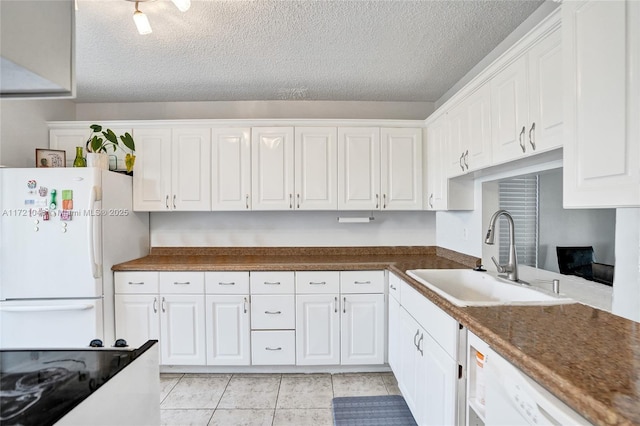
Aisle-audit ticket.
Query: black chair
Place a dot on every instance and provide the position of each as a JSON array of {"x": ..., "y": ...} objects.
[{"x": 576, "y": 261}]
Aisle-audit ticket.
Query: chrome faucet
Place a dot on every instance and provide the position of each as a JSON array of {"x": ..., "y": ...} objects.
[{"x": 511, "y": 268}]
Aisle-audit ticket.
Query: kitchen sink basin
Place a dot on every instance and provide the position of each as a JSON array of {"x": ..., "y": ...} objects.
[{"x": 466, "y": 287}]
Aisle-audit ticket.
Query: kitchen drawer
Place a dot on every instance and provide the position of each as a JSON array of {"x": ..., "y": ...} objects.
[
  {"x": 273, "y": 347},
  {"x": 140, "y": 282},
  {"x": 226, "y": 282},
  {"x": 182, "y": 282},
  {"x": 435, "y": 321},
  {"x": 263, "y": 282},
  {"x": 317, "y": 282},
  {"x": 394, "y": 286},
  {"x": 273, "y": 312},
  {"x": 362, "y": 282}
]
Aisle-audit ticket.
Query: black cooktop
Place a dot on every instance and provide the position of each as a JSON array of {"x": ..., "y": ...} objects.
[{"x": 38, "y": 387}]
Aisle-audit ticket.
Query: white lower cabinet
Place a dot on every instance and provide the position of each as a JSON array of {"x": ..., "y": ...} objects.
[
  {"x": 317, "y": 329},
  {"x": 182, "y": 329},
  {"x": 256, "y": 318},
  {"x": 228, "y": 329},
  {"x": 427, "y": 373},
  {"x": 362, "y": 326},
  {"x": 137, "y": 318}
]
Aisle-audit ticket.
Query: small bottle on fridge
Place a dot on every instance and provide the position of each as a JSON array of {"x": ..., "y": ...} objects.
[{"x": 79, "y": 160}]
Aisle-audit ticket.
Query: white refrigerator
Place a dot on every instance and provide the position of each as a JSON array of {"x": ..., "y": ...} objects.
[{"x": 62, "y": 229}]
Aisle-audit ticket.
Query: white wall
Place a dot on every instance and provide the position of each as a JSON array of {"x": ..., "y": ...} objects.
[
  {"x": 23, "y": 128},
  {"x": 291, "y": 229},
  {"x": 254, "y": 109},
  {"x": 571, "y": 227}
]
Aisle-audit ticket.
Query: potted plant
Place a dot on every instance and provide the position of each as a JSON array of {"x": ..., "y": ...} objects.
[{"x": 101, "y": 140}]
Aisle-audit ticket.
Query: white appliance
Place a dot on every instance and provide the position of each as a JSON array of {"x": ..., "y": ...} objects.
[
  {"x": 513, "y": 398},
  {"x": 62, "y": 229}
]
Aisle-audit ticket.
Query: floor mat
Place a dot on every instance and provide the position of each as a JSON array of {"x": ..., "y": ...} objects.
[{"x": 385, "y": 410}]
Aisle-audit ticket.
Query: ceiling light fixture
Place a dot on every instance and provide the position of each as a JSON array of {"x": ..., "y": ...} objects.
[{"x": 141, "y": 20}]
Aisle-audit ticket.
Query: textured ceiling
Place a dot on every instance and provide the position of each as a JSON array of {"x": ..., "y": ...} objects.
[{"x": 270, "y": 50}]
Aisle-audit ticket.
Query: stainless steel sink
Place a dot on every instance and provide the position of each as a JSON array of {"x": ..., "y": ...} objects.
[{"x": 465, "y": 287}]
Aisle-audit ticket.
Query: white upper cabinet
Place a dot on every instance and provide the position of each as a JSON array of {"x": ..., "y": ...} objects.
[
  {"x": 316, "y": 170},
  {"x": 190, "y": 169},
  {"x": 509, "y": 111},
  {"x": 68, "y": 138},
  {"x": 526, "y": 102},
  {"x": 545, "y": 94},
  {"x": 601, "y": 53},
  {"x": 359, "y": 168},
  {"x": 379, "y": 168},
  {"x": 401, "y": 168},
  {"x": 172, "y": 170},
  {"x": 272, "y": 161},
  {"x": 231, "y": 168},
  {"x": 469, "y": 125},
  {"x": 152, "y": 170}
]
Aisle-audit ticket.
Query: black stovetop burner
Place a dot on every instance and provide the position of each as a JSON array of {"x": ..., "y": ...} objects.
[{"x": 38, "y": 387}]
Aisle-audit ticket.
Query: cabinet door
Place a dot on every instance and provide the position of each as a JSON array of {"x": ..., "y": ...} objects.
[
  {"x": 231, "y": 169},
  {"x": 152, "y": 177},
  {"x": 602, "y": 94},
  {"x": 458, "y": 128},
  {"x": 359, "y": 168},
  {"x": 401, "y": 169},
  {"x": 509, "y": 114},
  {"x": 394, "y": 333},
  {"x": 272, "y": 168},
  {"x": 67, "y": 140},
  {"x": 316, "y": 171},
  {"x": 228, "y": 330},
  {"x": 437, "y": 376},
  {"x": 362, "y": 329},
  {"x": 137, "y": 318},
  {"x": 182, "y": 324},
  {"x": 437, "y": 165},
  {"x": 407, "y": 376},
  {"x": 545, "y": 94},
  {"x": 191, "y": 168},
  {"x": 477, "y": 146},
  {"x": 317, "y": 329}
]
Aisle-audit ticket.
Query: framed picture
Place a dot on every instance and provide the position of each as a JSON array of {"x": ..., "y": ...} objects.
[{"x": 50, "y": 158}]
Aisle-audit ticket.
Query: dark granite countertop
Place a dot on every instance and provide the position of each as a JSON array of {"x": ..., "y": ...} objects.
[{"x": 588, "y": 358}]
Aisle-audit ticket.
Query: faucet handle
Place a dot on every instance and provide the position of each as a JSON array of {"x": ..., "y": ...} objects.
[{"x": 501, "y": 269}]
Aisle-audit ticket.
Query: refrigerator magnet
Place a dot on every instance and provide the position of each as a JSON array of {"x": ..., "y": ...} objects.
[
  {"x": 67, "y": 199},
  {"x": 53, "y": 204},
  {"x": 31, "y": 184},
  {"x": 43, "y": 190},
  {"x": 65, "y": 215}
]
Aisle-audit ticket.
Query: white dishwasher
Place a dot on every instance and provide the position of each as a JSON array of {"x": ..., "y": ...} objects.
[{"x": 513, "y": 398}]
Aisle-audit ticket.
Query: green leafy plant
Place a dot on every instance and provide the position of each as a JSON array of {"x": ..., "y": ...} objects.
[{"x": 100, "y": 140}]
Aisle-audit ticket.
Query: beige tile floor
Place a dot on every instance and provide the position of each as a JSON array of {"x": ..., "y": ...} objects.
[{"x": 263, "y": 399}]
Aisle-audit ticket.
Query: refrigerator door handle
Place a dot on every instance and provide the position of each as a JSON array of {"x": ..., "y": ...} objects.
[
  {"x": 95, "y": 269},
  {"x": 46, "y": 308}
]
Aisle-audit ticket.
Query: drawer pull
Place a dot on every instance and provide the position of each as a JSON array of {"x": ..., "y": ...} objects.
[
  {"x": 344, "y": 305},
  {"x": 155, "y": 305},
  {"x": 184, "y": 283},
  {"x": 362, "y": 282},
  {"x": 272, "y": 283},
  {"x": 132, "y": 283},
  {"x": 273, "y": 312},
  {"x": 335, "y": 305},
  {"x": 163, "y": 305},
  {"x": 319, "y": 283},
  {"x": 272, "y": 349},
  {"x": 245, "y": 305},
  {"x": 392, "y": 287},
  {"x": 231, "y": 283}
]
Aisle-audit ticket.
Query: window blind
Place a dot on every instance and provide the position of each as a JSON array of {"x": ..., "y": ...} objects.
[{"x": 519, "y": 196}]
